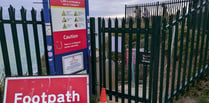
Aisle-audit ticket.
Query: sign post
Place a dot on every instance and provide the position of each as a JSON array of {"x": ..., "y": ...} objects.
[
  {"x": 49, "y": 37},
  {"x": 47, "y": 89}
]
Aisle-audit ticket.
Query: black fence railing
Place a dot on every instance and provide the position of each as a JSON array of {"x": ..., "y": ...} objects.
[
  {"x": 179, "y": 55},
  {"x": 164, "y": 8},
  {"x": 22, "y": 41}
]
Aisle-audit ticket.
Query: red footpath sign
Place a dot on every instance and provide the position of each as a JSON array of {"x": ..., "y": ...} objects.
[
  {"x": 47, "y": 89},
  {"x": 69, "y": 25}
]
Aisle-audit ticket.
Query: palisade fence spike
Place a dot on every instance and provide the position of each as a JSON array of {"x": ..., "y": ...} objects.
[
  {"x": 11, "y": 12},
  {"x": 23, "y": 13},
  {"x": 1, "y": 12}
]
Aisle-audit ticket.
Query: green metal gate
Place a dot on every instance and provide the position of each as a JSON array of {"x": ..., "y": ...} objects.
[{"x": 175, "y": 55}]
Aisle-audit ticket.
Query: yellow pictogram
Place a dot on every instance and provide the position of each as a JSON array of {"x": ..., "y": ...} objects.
[
  {"x": 76, "y": 19},
  {"x": 64, "y": 26},
  {"x": 64, "y": 20},
  {"x": 76, "y": 13},
  {"x": 63, "y": 13}
]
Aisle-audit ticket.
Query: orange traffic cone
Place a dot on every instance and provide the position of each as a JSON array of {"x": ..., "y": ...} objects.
[{"x": 103, "y": 97}]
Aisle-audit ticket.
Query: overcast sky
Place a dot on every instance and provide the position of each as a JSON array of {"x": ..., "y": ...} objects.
[{"x": 108, "y": 8}]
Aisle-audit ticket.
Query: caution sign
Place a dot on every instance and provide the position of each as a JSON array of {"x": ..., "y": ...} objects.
[{"x": 68, "y": 18}]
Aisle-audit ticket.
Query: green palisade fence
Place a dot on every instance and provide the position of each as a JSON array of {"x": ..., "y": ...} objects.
[
  {"x": 32, "y": 30},
  {"x": 158, "y": 8},
  {"x": 147, "y": 60},
  {"x": 128, "y": 33},
  {"x": 33, "y": 35},
  {"x": 171, "y": 54}
]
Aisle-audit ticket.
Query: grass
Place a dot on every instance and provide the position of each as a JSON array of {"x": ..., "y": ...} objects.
[
  {"x": 198, "y": 93},
  {"x": 202, "y": 99}
]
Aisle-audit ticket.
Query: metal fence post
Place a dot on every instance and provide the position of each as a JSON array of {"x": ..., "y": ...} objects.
[
  {"x": 15, "y": 39},
  {"x": 158, "y": 3},
  {"x": 155, "y": 51},
  {"x": 48, "y": 36},
  {"x": 3, "y": 45},
  {"x": 125, "y": 11},
  {"x": 36, "y": 40},
  {"x": 92, "y": 65},
  {"x": 45, "y": 43},
  {"x": 1, "y": 96}
]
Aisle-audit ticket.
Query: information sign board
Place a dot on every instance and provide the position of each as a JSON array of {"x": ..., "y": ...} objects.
[
  {"x": 47, "y": 89},
  {"x": 69, "y": 27}
]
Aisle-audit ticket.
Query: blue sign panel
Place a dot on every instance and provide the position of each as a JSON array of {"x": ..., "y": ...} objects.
[{"x": 69, "y": 39}]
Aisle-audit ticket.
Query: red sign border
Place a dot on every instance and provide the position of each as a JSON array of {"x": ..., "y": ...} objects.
[{"x": 43, "y": 77}]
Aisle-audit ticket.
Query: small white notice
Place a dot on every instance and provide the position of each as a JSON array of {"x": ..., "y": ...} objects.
[
  {"x": 73, "y": 63},
  {"x": 48, "y": 29}
]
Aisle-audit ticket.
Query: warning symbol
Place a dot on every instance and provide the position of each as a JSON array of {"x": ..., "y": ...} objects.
[
  {"x": 76, "y": 19},
  {"x": 64, "y": 26},
  {"x": 76, "y": 25},
  {"x": 63, "y": 13},
  {"x": 76, "y": 14},
  {"x": 64, "y": 20}
]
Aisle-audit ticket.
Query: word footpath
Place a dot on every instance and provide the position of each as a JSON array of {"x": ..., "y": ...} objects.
[{"x": 51, "y": 98}]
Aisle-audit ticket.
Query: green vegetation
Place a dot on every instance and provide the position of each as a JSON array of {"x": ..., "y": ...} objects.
[
  {"x": 199, "y": 92},
  {"x": 202, "y": 99}
]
